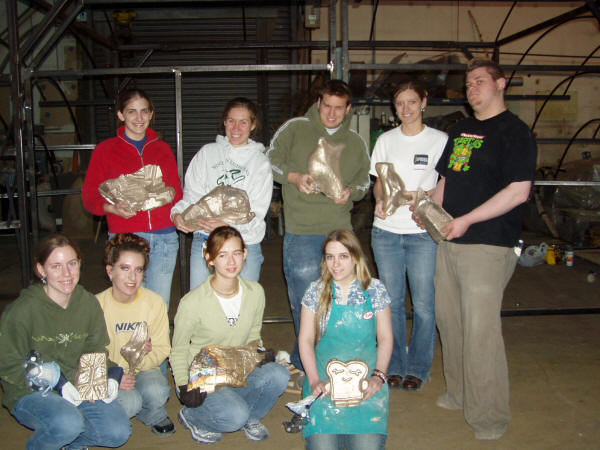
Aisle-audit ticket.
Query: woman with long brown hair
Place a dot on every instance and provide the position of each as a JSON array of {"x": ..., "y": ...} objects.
[{"x": 346, "y": 316}]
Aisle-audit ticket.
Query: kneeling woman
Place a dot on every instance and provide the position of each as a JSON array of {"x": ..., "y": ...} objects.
[
  {"x": 224, "y": 310},
  {"x": 61, "y": 321},
  {"x": 346, "y": 313},
  {"x": 126, "y": 304}
]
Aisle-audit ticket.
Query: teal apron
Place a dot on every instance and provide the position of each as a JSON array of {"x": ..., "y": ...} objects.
[{"x": 351, "y": 334}]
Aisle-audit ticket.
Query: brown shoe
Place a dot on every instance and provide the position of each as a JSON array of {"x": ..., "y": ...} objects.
[
  {"x": 412, "y": 383},
  {"x": 395, "y": 381}
]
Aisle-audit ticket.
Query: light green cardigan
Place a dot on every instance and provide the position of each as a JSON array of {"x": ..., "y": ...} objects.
[{"x": 200, "y": 321}]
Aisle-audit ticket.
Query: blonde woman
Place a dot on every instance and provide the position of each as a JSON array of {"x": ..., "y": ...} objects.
[{"x": 346, "y": 315}]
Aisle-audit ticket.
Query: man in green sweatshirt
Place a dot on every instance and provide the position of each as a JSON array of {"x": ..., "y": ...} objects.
[{"x": 309, "y": 215}]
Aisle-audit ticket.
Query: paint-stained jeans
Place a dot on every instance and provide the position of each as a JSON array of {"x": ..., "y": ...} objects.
[
  {"x": 302, "y": 255},
  {"x": 346, "y": 442}
]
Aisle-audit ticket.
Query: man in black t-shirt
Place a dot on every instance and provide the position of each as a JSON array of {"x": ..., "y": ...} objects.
[{"x": 486, "y": 172}]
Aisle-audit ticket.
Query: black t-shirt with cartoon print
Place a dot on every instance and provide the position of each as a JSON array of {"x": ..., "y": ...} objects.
[{"x": 481, "y": 158}]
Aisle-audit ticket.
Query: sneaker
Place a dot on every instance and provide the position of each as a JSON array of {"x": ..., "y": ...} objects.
[
  {"x": 295, "y": 425},
  {"x": 163, "y": 428},
  {"x": 443, "y": 402},
  {"x": 256, "y": 431},
  {"x": 199, "y": 434}
]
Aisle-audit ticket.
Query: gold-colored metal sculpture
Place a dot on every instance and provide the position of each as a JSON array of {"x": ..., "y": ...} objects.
[
  {"x": 432, "y": 215},
  {"x": 226, "y": 203},
  {"x": 216, "y": 366},
  {"x": 91, "y": 378},
  {"x": 324, "y": 166},
  {"x": 135, "y": 349},
  {"x": 347, "y": 381},
  {"x": 394, "y": 190},
  {"x": 142, "y": 190}
]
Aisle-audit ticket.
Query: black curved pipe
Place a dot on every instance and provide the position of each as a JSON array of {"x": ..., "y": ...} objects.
[
  {"x": 562, "y": 158},
  {"x": 539, "y": 38},
  {"x": 373, "y": 20},
  {"x": 537, "y": 116},
  {"x": 66, "y": 100},
  {"x": 51, "y": 159},
  {"x": 583, "y": 64},
  {"x": 504, "y": 22}
]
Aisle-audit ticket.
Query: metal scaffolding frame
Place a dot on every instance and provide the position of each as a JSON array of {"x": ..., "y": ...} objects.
[{"x": 63, "y": 13}]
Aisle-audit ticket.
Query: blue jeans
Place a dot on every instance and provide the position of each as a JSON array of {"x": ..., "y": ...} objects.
[
  {"x": 346, "y": 441},
  {"x": 163, "y": 257},
  {"x": 302, "y": 254},
  {"x": 199, "y": 270},
  {"x": 148, "y": 399},
  {"x": 57, "y": 423},
  {"x": 229, "y": 409},
  {"x": 396, "y": 255}
]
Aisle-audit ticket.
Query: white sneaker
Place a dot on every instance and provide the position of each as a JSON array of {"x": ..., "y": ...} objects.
[
  {"x": 256, "y": 431},
  {"x": 199, "y": 434}
]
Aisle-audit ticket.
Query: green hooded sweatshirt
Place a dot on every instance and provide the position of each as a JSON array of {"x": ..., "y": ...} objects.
[
  {"x": 289, "y": 150},
  {"x": 35, "y": 322}
]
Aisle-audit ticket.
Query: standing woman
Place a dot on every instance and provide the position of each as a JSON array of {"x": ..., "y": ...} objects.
[
  {"x": 233, "y": 160},
  {"x": 61, "y": 321},
  {"x": 224, "y": 310},
  {"x": 400, "y": 246},
  {"x": 126, "y": 304},
  {"x": 135, "y": 146},
  {"x": 346, "y": 314}
]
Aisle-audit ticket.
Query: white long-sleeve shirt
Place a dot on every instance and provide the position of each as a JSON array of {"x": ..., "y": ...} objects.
[{"x": 222, "y": 164}]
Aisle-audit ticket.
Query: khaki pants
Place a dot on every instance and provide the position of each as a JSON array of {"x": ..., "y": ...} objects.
[{"x": 469, "y": 285}]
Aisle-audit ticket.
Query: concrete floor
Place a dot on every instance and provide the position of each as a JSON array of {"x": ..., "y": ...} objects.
[{"x": 554, "y": 363}]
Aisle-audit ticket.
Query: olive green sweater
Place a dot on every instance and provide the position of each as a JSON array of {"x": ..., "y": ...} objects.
[
  {"x": 35, "y": 322},
  {"x": 289, "y": 150}
]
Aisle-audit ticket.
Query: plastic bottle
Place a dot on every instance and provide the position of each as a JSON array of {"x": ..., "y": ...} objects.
[
  {"x": 569, "y": 256},
  {"x": 550, "y": 256}
]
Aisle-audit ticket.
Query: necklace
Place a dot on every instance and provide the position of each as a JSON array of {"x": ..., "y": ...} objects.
[{"x": 225, "y": 294}]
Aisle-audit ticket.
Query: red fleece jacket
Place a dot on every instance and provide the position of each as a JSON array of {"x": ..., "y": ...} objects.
[{"x": 116, "y": 156}]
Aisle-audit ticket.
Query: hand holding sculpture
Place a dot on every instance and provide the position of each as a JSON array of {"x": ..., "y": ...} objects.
[
  {"x": 135, "y": 349},
  {"x": 394, "y": 191},
  {"x": 324, "y": 167},
  {"x": 140, "y": 191},
  {"x": 226, "y": 203},
  {"x": 431, "y": 215}
]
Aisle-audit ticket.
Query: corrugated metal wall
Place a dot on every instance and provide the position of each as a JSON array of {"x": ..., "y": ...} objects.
[{"x": 204, "y": 95}]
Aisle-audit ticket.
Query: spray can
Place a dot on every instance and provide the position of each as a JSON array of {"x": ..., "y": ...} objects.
[{"x": 569, "y": 256}]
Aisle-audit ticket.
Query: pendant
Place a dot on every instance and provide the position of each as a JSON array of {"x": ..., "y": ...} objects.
[{"x": 232, "y": 321}]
